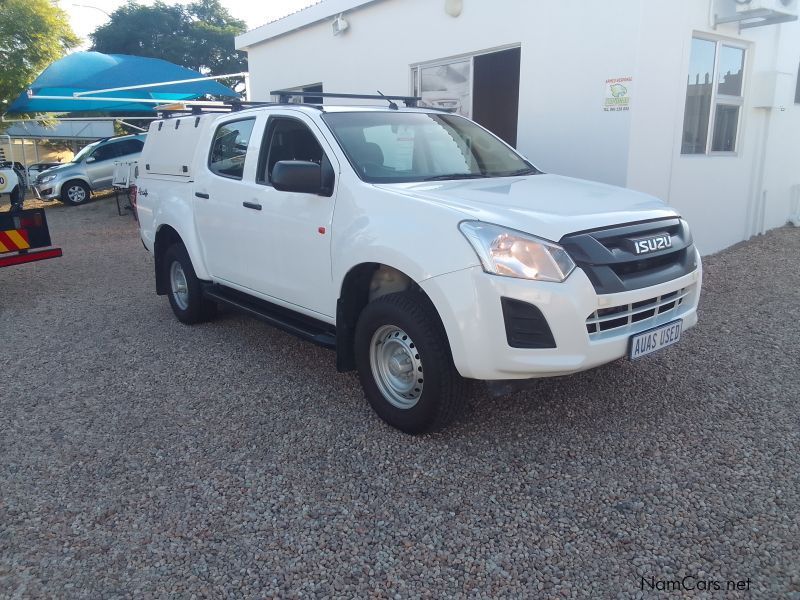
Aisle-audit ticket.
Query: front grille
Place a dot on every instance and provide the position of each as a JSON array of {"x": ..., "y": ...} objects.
[
  {"x": 642, "y": 314},
  {"x": 608, "y": 258}
]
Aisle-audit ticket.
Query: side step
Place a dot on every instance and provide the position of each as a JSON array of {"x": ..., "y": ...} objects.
[{"x": 307, "y": 328}]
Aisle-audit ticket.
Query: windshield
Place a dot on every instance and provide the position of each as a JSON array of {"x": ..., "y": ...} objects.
[
  {"x": 387, "y": 147},
  {"x": 84, "y": 152}
]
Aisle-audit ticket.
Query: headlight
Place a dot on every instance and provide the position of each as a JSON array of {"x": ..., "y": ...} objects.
[
  {"x": 46, "y": 178},
  {"x": 515, "y": 254}
]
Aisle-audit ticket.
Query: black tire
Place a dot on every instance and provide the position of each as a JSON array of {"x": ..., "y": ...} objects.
[
  {"x": 443, "y": 389},
  {"x": 81, "y": 195},
  {"x": 191, "y": 307}
]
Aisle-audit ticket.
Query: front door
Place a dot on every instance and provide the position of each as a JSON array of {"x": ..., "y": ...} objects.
[
  {"x": 100, "y": 166},
  {"x": 254, "y": 236},
  {"x": 297, "y": 242}
]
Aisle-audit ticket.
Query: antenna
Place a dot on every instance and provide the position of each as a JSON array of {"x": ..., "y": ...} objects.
[{"x": 392, "y": 105}]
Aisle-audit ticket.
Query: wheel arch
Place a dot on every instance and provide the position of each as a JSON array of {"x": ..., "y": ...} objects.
[
  {"x": 363, "y": 283},
  {"x": 166, "y": 236}
]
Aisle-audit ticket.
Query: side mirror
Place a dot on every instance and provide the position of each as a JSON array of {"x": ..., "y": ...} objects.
[
  {"x": 297, "y": 176},
  {"x": 90, "y": 159}
]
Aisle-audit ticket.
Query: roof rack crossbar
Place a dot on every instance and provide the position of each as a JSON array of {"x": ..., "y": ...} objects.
[
  {"x": 198, "y": 108},
  {"x": 285, "y": 95}
]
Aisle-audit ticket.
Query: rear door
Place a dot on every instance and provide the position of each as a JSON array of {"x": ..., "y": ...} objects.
[{"x": 221, "y": 184}]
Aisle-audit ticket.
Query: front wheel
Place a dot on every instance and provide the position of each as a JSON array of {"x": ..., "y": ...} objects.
[
  {"x": 75, "y": 192},
  {"x": 405, "y": 365},
  {"x": 185, "y": 290}
]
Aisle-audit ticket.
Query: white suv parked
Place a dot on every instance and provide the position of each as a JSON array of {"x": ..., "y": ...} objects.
[{"x": 418, "y": 245}]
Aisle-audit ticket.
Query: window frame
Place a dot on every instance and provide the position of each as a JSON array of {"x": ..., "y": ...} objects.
[
  {"x": 213, "y": 139},
  {"x": 797, "y": 86},
  {"x": 720, "y": 99}
]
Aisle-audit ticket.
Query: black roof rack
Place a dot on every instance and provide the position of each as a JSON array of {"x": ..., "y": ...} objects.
[{"x": 285, "y": 95}]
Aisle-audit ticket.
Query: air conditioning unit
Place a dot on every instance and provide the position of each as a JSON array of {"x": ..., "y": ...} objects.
[
  {"x": 774, "y": 6},
  {"x": 756, "y": 13}
]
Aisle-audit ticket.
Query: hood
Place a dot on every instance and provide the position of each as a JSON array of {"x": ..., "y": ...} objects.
[
  {"x": 548, "y": 206},
  {"x": 56, "y": 170}
]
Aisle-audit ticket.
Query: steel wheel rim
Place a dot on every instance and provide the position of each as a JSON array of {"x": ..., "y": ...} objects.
[
  {"x": 396, "y": 366},
  {"x": 76, "y": 193},
  {"x": 180, "y": 289}
]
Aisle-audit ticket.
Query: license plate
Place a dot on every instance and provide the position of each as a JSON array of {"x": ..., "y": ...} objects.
[{"x": 649, "y": 341}]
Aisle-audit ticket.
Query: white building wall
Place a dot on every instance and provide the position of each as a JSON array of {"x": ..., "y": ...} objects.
[
  {"x": 568, "y": 49},
  {"x": 562, "y": 127},
  {"x": 721, "y": 196}
]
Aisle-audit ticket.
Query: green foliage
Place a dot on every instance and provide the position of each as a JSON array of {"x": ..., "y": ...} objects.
[
  {"x": 198, "y": 36},
  {"x": 33, "y": 34}
]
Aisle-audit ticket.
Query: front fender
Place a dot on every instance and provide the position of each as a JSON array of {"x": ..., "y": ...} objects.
[{"x": 418, "y": 238}]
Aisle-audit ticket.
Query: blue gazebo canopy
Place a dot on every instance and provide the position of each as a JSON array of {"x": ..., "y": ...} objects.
[{"x": 87, "y": 71}]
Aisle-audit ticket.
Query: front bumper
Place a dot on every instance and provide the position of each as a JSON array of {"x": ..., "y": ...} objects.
[
  {"x": 48, "y": 191},
  {"x": 469, "y": 304}
]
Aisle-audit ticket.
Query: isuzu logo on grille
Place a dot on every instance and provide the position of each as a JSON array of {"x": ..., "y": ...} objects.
[{"x": 652, "y": 244}]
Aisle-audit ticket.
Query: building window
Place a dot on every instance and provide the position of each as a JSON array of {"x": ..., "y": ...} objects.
[{"x": 713, "y": 97}]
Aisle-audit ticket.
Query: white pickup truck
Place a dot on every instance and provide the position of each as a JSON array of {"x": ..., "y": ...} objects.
[{"x": 419, "y": 246}]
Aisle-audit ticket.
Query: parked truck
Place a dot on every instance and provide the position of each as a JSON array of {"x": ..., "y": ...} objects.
[
  {"x": 420, "y": 247},
  {"x": 24, "y": 235}
]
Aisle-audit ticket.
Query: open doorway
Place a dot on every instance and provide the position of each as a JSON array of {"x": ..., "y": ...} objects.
[
  {"x": 495, "y": 92},
  {"x": 484, "y": 87}
]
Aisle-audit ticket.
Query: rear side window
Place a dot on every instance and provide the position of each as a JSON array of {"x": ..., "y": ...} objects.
[
  {"x": 129, "y": 147},
  {"x": 229, "y": 148}
]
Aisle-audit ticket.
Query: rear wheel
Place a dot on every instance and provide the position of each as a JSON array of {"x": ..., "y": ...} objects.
[
  {"x": 404, "y": 363},
  {"x": 75, "y": 192},
  {"x": 185, "y": 289}
]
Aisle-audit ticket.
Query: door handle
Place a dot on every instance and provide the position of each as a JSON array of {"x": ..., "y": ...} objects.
[
  {"x": 202, "y": 195},
  {"x": 252, "y": 205}
]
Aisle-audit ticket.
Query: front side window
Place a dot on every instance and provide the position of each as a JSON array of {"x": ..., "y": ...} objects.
[
  {"x": 395, "y": 147},
  {"x": 714, "y": 97},
  {"x": 286, "y": 139},
  {"x": 106, "y": 152},
  {"x": 229, "y": 148}
]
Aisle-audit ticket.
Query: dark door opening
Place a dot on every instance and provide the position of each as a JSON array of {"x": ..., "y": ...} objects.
[{"x": 495, "y": 92}]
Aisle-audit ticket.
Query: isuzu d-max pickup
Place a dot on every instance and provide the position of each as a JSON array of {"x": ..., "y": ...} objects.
[{"x": 419, "y": 246}]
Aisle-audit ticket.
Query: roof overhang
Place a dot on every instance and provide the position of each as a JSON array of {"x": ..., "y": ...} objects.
[
  {"x": 326, "y": 9},
  {"x": 62, "y": 130}
]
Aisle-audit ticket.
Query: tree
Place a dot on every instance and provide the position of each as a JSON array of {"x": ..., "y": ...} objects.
[
  {"x": 33, "y": 34},
  {"x": 198, "y": 36}
]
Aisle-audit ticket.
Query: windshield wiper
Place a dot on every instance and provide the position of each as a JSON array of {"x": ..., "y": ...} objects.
[
  {"x": 455, "y": 176},
  {"x": 525, "y": 171}
]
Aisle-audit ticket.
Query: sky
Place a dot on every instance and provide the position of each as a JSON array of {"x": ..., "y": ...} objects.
[{"x": 86, "y": 16}]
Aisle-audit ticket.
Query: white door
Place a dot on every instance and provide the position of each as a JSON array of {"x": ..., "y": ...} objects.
[
  {"x": 220, "y": 216},
  {"x": 272, "y": 242}
]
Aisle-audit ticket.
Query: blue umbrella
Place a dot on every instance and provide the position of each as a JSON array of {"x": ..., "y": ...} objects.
[{"x": 88, "y": 71}]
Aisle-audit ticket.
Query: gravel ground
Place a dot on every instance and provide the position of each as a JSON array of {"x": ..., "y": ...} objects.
[{"x": 141, "y": 457}]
